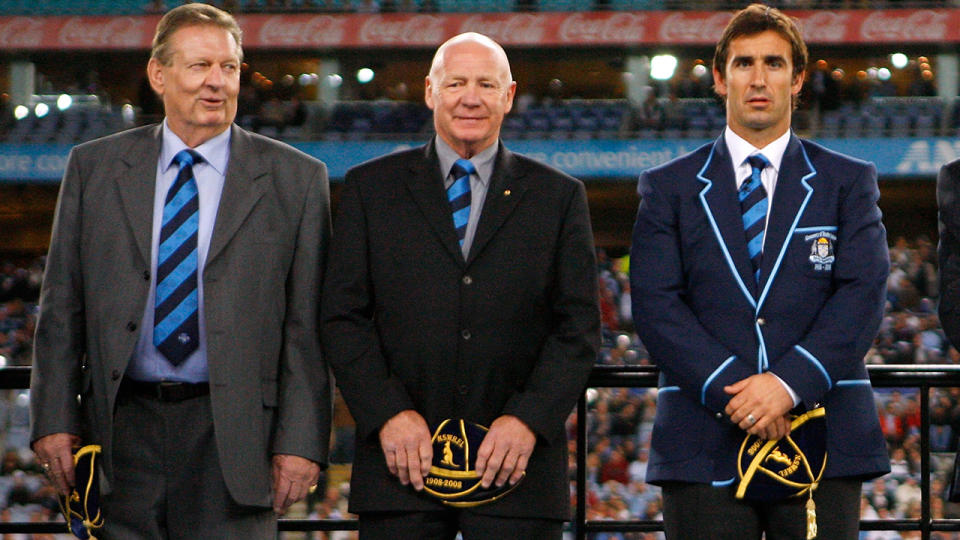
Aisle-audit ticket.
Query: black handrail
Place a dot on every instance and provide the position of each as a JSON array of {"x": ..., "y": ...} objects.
[{"x": 924, "y": 377}]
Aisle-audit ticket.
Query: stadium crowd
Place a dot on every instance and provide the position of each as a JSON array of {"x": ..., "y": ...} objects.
[{"x": 619, "y": 420}]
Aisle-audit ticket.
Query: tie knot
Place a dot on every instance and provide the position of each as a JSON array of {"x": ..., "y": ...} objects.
[
  {"x": 187, "y": 157},
  {"x": 463, "y": 167},
  {"x": 758, "y": 161}
]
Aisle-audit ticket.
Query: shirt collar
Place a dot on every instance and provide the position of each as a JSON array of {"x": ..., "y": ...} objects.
[
  {"x": 740, "y": 149},
  {"x": 215, "y": 151},
  {"x": 483, "y": 161}
]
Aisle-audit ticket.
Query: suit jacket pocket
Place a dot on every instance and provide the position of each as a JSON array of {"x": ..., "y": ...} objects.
[
  {"x": 852, "y": 425},
  {"x": 268, "y": 387},
  {"x": 677, "y": 431},
  {"x": 813, "y": 250}
]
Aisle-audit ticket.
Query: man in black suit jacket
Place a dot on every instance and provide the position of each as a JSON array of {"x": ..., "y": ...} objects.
[
  {"x": 948, "y": 251},
  {"x": 496, "y": 322}
]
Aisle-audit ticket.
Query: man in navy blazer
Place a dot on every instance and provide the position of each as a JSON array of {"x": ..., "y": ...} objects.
[{"x": 754, "y": 312}]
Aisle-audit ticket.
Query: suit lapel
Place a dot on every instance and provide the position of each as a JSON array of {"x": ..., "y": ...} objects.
[
  {"x": 242, "y": 188},
  {"x": 789, "y": 201},
  {"x": 503, "y": 193},
  {"x": 137, "y": 185},
  {"x": 719, "y": 199},
  {"x": 425, "y": 184}
]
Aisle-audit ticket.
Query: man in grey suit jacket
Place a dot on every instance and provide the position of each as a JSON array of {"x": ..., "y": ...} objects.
[
  {"x": 200, "y": 439},
  {"x": 483, "y": 308}
]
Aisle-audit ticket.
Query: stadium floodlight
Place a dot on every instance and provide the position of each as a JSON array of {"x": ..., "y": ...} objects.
[
  {"x": 883, "y": 74},
  {"x": 663, "y": 66},
  {"x": 41, "y": 110},
  {"x": 20, "y": 112},
  {"x": 334, "y": 80},
  {"x": 699, "y": 70},
  {"x": 364, "y": 75},
  {"x": 64, "y": 102},
  {"x": 899, "y": 60}
]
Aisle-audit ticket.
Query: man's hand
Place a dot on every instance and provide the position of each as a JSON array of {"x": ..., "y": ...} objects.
[
  {"x": 504, "y": 452},
  {"x": 293, "y": 476},
  {"x": 759, "y": 405},
  {"x": 55, "y": 454},
  {"x": 405, "y": 440}
]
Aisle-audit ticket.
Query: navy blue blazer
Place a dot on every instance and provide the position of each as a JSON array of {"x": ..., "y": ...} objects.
[{"x": 811, "y": 319}]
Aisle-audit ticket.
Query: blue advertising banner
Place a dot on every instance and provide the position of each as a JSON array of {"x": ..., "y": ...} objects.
[{"x": 617, "y": 159}]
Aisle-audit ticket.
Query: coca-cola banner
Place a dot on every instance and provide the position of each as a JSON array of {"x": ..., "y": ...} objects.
[{"x": 329, "y": 31}]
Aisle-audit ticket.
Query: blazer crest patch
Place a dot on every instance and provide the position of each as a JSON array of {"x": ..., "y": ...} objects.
[{"x": 821, "y": 250}]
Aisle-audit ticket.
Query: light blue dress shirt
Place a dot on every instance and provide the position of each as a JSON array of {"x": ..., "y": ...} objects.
[{"x": 148, "y": 364}]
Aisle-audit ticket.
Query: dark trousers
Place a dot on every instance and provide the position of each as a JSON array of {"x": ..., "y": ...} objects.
[
  {"x": 444, "y": 525},
  {"x": 705, "y": 512},
  {"x": 167, "y": 478}
]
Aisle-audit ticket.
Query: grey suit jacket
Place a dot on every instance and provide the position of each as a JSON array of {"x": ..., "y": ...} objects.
[{"x": 269, "y": 386}]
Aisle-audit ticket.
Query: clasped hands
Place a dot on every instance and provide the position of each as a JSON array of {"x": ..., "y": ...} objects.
[
  {"x": 502, "y": 457},
  {"x": 759, "y": 405}
]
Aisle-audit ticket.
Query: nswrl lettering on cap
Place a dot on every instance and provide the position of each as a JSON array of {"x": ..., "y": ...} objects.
[
  {"x": 791, "y": 466},
  {"x": 453, "y": 477},
  {"x": 81, "y": 507}
]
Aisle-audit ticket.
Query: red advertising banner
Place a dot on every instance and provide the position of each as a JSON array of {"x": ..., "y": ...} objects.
[{"x": 566, "y": 29}]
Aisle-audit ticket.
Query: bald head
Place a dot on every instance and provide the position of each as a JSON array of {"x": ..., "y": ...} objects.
[
  {"x": 469, "y": 89},
  {"x": 439, "y": 59}
]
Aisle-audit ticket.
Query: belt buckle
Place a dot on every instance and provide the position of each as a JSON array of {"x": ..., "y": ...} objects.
[{"x": 168, "y": 390}]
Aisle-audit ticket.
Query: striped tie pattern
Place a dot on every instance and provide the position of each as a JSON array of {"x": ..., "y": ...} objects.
[
  {"x": 176, "y": 329},
  {"x": 753, "y": 208},
  {"x": 459, "y": 195}
]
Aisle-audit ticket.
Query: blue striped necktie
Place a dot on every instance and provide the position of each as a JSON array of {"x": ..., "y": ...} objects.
[
  {"x": 176, "y": 331},
  {"x": 459, "y": 196},
  {"x": 753, "y": 208}
]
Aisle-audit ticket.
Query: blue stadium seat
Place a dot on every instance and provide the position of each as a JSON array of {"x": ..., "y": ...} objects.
[
  {"x": 474, "y": 6},
  {"x": 565, "y": 5}
]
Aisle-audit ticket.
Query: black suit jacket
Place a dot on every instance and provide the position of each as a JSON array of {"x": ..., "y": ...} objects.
[
  {"x": 408, "y": 323},
  {"x": 948, "y": 202}
]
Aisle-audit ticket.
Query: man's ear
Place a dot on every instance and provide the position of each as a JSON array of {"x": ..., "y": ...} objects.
[
  {"x": 719, "y": 86},
  {"x": 155, "y": 75}
]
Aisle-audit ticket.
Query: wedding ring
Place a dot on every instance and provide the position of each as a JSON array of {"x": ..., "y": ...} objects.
[
  {"x": 46, "y": 466},
  {"x": 751, "y": 420}
]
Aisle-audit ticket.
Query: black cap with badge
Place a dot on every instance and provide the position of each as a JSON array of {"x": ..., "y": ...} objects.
[{"x": 453, "y": 478}]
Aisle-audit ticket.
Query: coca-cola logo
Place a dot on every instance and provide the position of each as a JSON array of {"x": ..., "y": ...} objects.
[
  {"x": 280, "y": 31},
  {"x": 825, "y": 27},
  {"x": 125, "y": 32},
  {"x": 21, "y": 32},
  {"x": 683, "y": 28},
  {"x": 920, "y": 25},
  {"x": 515, "y": 29},
  {"x": 421, "y": 29},
  {"x": 615, "y": 28}
]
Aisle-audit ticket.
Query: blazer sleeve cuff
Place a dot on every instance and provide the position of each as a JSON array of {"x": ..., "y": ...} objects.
[
  {"x": 805, "y": 374},
  {"x": 729, "y": 371}
]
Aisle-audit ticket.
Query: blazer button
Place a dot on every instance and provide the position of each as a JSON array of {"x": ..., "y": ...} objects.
[
  {"x": 131, "y": 326},
  {"x": 146, "y": 275},
  {"x": 719, "y": 416},
  {"x": 467, "y": 280},
  {"x": 465, "y": 334},
  {"x": 115, "y": 375},
  {"x": 463, "y": 389}
]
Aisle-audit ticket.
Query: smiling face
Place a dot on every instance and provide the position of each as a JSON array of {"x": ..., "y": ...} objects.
[
  {"x": 470, "y": 91},
  {"x": 758, "y": 84},
  {"x": 200, "y": 82}
]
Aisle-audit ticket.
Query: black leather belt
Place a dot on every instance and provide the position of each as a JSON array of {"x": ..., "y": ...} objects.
[{"x": 165, "y": 390}]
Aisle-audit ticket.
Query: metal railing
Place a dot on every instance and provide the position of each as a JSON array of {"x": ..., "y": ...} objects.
[{"x": 922, "y": 377}]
